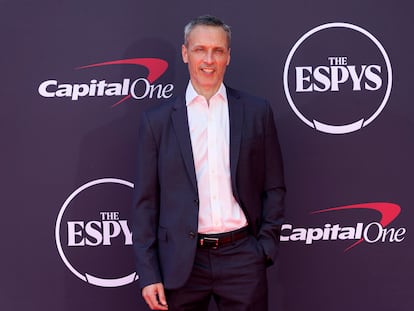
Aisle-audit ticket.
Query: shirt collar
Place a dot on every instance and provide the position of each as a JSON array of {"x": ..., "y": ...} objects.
[{"x": 191, "y": 94}]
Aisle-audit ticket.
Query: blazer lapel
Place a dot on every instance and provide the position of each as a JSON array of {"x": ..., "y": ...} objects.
[
  {"x": 236, "y": 112},
  {"x": 180, "y": 123}
]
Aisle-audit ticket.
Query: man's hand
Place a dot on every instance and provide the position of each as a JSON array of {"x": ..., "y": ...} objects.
[{"x": 154, "y": 296}]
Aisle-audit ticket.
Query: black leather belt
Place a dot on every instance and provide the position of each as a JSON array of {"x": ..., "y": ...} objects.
[{"x": 219, "y": 239}]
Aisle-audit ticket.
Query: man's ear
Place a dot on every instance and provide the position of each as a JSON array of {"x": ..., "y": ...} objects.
[
  {"x": 229, "y": 57},
  {"x": 184, "y": 54}
]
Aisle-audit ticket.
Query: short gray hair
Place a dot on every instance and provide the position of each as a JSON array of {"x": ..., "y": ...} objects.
[{"x": 206, "y": 20}]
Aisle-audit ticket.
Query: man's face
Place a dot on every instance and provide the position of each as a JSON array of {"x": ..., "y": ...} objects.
[{"x": 207, "y": 55}]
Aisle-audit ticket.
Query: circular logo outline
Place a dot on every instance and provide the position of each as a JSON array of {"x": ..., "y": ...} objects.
[
  {"x": 88, "y": 278},
  {"x": 328, "y": 128}
]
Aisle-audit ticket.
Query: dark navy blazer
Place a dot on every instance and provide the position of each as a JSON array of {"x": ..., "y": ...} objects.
[{"x": 165, "y": 203}]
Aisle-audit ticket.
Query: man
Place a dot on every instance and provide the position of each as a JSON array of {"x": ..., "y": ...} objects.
[{"x": 209, "y": 190}]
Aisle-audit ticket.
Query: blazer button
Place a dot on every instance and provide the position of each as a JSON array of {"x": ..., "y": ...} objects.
[
  {"x": 196, "y": 201},
  {"x": 192, "y": 235}
]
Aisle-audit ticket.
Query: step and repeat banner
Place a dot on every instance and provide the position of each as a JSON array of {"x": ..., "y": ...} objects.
[{"x": 75, "y": 77}]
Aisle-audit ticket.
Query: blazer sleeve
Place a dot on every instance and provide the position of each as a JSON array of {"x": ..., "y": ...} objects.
[
  {"x": 145, "y": 209},
  {"x": 274, "y": 192}
]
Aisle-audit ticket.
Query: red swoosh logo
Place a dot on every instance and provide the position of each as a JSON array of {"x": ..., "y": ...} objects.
[
  {"x": 155, "y": 66},
  {"x": 388, "y": 211}
]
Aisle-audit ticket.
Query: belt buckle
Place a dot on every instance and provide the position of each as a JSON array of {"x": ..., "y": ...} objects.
[{"x": 209, "y": 242}]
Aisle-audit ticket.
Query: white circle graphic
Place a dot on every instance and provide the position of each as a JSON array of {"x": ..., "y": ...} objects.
[
  {"x": 329, "y": 128},
  {"x": 88, "y": 278}
]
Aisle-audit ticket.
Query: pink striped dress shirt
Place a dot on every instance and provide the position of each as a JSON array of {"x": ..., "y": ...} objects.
[{"x": 210, "y": 133}]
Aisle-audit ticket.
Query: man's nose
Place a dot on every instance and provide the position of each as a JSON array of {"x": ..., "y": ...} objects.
[{"x": 208, "y": 57}]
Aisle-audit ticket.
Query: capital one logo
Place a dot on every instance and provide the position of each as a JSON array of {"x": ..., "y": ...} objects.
[
  {"x": 337, "y": 78},
  {"x": 92, "y": 234},
  {"x": 378, "y": 231},
  {"x": 141, "y": 88}
]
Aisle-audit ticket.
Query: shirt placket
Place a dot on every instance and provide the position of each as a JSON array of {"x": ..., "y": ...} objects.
[{"x": 213, "y": 164}]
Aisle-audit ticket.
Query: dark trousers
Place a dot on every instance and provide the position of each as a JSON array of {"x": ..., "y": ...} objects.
[{"x": 234, "y": 275}]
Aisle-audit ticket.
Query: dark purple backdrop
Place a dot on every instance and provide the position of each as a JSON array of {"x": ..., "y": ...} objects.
[{"x": 52, "y": 146}]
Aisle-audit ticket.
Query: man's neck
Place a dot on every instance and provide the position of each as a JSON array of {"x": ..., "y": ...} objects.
[{"x": 208, "y": 92}]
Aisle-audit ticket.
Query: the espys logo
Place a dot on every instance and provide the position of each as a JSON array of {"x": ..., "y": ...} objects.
[
  {"x": 373, "y": 232},
  {"x": 138, "y": 89},
  {"x": 337, "y": 78},
  {"x": 92, "y": 234}
]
